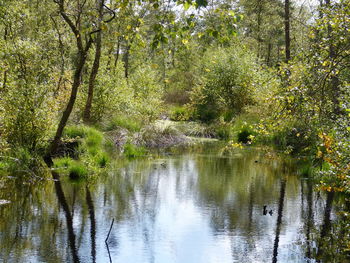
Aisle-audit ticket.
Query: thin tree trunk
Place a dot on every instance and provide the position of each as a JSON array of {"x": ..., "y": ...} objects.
[
  {"x": 95, "y": 67},
  {"x": 126, "y": 60},
  {"x": 287, "y": 29},
  {"x": 71, "y": 102}
]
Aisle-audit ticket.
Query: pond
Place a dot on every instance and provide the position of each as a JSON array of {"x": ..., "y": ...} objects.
[{"x": 195, "y": 206}]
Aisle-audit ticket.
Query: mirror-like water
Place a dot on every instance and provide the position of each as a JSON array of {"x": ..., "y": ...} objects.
[{"x": 194, "y": 207}]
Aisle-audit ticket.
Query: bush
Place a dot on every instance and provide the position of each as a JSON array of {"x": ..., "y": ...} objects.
[
  {"x": 179, "y": 113},
  {"x": 297, "y": 140},
  {"x": 228, "y": 84},
  {"x": 244, "y": 136},
  {"x": 223, "y": 131}
]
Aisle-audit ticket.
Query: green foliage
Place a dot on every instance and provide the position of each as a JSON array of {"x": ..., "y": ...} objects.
[
  {"x": 76, "y": 131},
  {"x": 77, "y": 170},
  {"x": 179, "y": 113},
  {"x": 228, "y": 84},
  {"x": 127, "y": 122},
  {"x": 64, "y": 162},
  {"x": 147, "y": 93},
  {"x": 102, "y": 159},
  {"x": 223, "y": 131}
]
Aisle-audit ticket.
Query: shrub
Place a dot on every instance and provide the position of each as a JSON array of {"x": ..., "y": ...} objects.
[
  {"x": 228, "y": 84},
  {"x": 223, "y": 131},
  {"x": 244, "y": 135},
  {"x": 180, "y": 113},
  {"x": 297, "y": 139}
]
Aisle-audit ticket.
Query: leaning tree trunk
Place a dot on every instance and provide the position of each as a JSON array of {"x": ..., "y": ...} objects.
[
  {"x": 76, "y": 83},
  {"x": 81, "y": 55}
]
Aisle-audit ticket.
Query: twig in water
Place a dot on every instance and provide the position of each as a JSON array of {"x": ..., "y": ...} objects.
[{"x": 110, "y": 229}]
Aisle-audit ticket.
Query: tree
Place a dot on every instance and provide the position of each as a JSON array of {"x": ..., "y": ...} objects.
[
  {"x": 82, "y": 25},
  {"x": 287, "y": 28}
]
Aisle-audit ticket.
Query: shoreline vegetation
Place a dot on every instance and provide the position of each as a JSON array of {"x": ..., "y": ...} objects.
[{"x": 82, "y": 82}]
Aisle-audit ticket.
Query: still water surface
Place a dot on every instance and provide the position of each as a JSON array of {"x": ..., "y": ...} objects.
[{"x": 197, "y": 206}]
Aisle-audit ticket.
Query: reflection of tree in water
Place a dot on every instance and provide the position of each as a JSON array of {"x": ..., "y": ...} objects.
[
  {"x": 92, "y": 223},
  {"x": 279, "y": 220},
  {"x": 69, "y": 219},
  {"x": 237, "y": 188},
  {"x": 23, "y": 222}
]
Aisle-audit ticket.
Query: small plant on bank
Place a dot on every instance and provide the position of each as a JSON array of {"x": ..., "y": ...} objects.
[{"x": 77, "y": 170}]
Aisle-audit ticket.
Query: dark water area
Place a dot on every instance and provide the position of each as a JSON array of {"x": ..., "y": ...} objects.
[{"x": 197, "y": 206}]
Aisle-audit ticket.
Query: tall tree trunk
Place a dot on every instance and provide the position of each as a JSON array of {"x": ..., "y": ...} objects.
[
  {"x": 287, "y": 28},
  {"x": 95, "y": 66},
  {"x": 126, "y": 60}
]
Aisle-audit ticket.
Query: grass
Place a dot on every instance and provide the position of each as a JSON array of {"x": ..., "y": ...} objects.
[
  {"x": 102, "y": 159},
  {"x": 64, "y": 162},
  {"x": 92, "y": 155},
  {"x": 132, "y": 151},
  {"x": 77, "y": 170},
  {"x": 73, "y": 132},
  {"x": 131, "y": 124}
]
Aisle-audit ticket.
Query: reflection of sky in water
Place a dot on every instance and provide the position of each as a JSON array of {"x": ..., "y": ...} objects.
[{"x": 197, "y": 208}]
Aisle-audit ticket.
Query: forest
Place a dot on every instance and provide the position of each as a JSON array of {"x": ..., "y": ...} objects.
[{"x": 86, "y": 85}]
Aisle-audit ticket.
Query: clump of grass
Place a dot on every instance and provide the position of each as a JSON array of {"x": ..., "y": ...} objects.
[
  {"x": 64, "y": 162},
  {"x": 77, "y": 170},
  {"x": 132, "y": 151},
  {"x": 131, "y": 124},
  {"x": 93, "y": 141},
  {"x": 102, "y": 159},
  {"x": 75, "y": 131}
]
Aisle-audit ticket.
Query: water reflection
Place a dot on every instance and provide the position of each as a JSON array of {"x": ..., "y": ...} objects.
[{"x": 200, "y": 206}]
